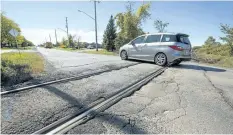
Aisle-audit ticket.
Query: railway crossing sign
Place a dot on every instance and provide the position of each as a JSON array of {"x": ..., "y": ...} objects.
[{"x": 14, "y": 32}]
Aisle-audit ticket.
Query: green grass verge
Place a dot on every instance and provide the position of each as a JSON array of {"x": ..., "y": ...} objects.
[
  {"x": 65, "y": 49},
  {"x": 6, "y": 48},
  {"x": 20, "y": 48},
  {"x": 68, "y": 49},
  {"x": 102, "y": 51},
  {"x": 216, "y": 60},
  {"x": 19, "y": 67}
]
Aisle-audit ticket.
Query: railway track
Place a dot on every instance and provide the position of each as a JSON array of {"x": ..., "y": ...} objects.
[
  {"x": 65, "y": 124},
  {"x": 63, "y": 80}
]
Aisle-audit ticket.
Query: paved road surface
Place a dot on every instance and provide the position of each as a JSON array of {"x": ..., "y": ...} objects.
[
  {"x": 190, "y": 98},
  {"x": 185, "y": 99}
]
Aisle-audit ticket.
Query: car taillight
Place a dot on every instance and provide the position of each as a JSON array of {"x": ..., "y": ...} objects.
[{"x": 178, "y": 48}]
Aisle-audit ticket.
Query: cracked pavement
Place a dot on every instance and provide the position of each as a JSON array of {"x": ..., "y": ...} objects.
[
  {"x": 28, "y": 111},
  {"x": 191, "y": 98}
]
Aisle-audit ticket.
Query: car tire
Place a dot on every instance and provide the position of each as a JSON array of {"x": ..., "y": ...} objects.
[
  {"x": 124, "y": 55},
  {"x": 160, "y": 59}
]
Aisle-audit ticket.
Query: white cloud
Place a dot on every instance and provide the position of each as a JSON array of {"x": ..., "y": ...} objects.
[{"x": 38, "y": 36}]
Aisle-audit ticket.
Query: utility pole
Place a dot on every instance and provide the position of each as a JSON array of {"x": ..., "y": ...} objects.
[
  {"x": 96, "y": 42},
  {"x": 56, "y": 37},
  {"x": 50, "y": 38},
  {"x": 67, "y": 31}
]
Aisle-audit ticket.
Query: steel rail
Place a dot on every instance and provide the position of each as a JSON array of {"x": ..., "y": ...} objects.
[
  {"x": 63, "y": 80},
  {"x": 67, "y": 123}
]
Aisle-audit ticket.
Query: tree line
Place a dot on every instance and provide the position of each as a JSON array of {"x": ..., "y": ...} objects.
[
  {"x": 7, "y": 40},
  {"x": 74, "y": 42},
  {"x": 129, "y": 24},
  {"x": 211, "y": 46}
]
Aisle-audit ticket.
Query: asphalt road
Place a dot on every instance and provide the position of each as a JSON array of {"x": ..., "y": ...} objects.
[{"x": 190, "y": 98}]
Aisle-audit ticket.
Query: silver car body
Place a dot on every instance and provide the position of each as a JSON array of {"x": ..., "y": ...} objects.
[{"x": 148, "y": 50}]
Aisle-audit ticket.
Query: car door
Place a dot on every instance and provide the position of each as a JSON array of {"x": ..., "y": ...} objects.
[
  {"x": 150, "y": 47},
  {"x": 135, "y": 47}
]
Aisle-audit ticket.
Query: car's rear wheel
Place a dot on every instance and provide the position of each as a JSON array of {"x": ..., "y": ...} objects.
[
  {"x": 124, "y": 55},
  {"x": 161, "y": 59}
]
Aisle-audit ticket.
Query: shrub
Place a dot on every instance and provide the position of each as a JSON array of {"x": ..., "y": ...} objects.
[
  {"x": 48, "y": 45},
  {"x": 222, "y": 50},
  {"x": 17, "y": 68},
  {"x": 62, "y": 46},
  {"x": 14, "y": 73}
]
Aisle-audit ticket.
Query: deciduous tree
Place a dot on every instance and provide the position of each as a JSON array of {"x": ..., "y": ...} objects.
[
  {"x": 129, "y": 23},
  {"x": 160, "y": 25},
  {"x": 6, "y": 25},
  {"x": 210, "y": 41},
  {"x": 228, "y": 31}
]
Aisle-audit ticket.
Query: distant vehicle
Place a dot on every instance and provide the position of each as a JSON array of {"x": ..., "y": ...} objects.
[
  {"x": 90, "y": 47},
  {"x": 161, "y": 48}
]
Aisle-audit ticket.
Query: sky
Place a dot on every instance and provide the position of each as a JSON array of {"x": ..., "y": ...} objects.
[{"x": 39, "y": 19}]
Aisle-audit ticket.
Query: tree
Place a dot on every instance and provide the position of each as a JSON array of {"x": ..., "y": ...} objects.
[
  {"x": 228, "y": 31},
  {"x": 79, "y": 44},
  {"x": 29, "y": 43},
  {"x": 20, "y": 39},
  {"x": 72, "y": 41},
  {"x": 64, "y": 43},
  {"x": 160, "y": 25},
  {"x": 48, "y": 45},
  {"x": 110, "y": 35},
  {"x": 6, "y": 25},
  {"x": 210, "y": 41},
  {"x": 129, "y": 23}
]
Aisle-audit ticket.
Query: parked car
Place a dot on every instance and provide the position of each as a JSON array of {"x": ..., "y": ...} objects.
[
  {"x": 161, "y": 48},
  {"x": 90, "y": 47}
]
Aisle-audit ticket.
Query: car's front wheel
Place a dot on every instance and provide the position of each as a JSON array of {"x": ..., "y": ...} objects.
[
  {"x": 124, "y": 55},
  {"x": 161, "y": 59}
]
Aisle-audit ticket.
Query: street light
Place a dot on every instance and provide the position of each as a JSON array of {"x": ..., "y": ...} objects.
[
  {"x": 95, "y": 19},
  {"x": 61, "y": 29},
  {"x": 86, "y": 14}
]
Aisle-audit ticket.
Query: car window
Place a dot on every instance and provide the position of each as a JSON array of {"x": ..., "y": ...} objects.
[
  {"x": 153, "y": 38},
  {"x": 139, "y": 40},
  {"x": 184, "y": 40},
  {"x": 169, "y": 38}
]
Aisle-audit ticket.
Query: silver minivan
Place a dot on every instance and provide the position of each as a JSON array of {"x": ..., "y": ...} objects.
[{"x": 161, "y": 48}]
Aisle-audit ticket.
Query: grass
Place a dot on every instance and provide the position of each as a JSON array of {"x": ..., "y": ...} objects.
[
  {"x": 65, "y": 49},
  {"x": 216, "y": 60},
  {"x": 102, "y": 51},
  {"x": 68, "y": 49},
  {"x": 17, "y": 68},
  {"x": 20, "y": 48},
  {"x": 27, "y": 48},
  {"x": 6, "y": 48},
  {"x": 90, "y": 51},
  {"x": 33, "y": 60}
]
